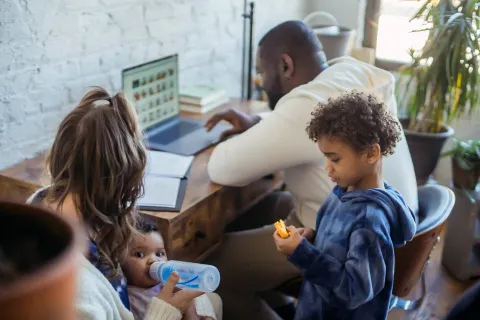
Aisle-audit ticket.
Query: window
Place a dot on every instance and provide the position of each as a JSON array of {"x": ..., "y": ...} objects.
[{"x": 395, "y": 36}]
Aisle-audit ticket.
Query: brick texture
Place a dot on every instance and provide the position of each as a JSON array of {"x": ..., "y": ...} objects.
[{"x": 52, "y": 50}]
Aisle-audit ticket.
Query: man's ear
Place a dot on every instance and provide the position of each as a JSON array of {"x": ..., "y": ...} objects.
[
  {"x": 287, "y": 66},
  {"x": 374, "y": 153}
]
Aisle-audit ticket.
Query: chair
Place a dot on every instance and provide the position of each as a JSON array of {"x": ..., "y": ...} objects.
[
  {"x": 435, "y": 204},
  {"x": 15, "y": 190}
]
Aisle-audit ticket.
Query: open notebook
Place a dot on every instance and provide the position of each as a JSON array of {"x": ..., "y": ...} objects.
[{"x": 165, "y": 181}]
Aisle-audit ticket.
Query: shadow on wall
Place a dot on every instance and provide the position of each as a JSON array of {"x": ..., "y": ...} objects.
[{"x": 467, "y": 128}]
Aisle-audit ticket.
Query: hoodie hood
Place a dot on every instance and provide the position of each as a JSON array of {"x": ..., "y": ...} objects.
[
  {"x": 345, "y": 74},
  {"x": 400, "y": 217}
]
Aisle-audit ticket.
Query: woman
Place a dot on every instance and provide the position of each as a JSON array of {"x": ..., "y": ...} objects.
[{"x": 96, "y": 164}]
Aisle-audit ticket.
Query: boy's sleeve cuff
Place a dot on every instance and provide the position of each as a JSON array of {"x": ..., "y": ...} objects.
[{"x": 304, "y": 255}]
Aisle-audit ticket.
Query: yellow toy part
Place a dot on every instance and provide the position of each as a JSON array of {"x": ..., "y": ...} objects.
[{"x": 281, "y": 229}]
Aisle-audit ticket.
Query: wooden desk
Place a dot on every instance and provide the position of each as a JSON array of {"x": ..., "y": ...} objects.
[{"x": 196, "y": 230}]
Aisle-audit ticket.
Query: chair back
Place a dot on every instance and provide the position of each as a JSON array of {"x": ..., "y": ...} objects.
[
  {"x": 435, "y": 205},
  {"x": 16, "y": 190}
]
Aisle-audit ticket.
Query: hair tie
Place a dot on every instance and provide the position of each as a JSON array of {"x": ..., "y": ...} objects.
[{"x": 103, "y": 102}]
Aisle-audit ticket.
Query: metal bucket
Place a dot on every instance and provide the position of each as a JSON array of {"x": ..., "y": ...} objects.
[{"x": 336, "y": 41}]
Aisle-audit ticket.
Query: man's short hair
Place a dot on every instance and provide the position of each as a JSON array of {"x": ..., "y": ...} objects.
[{"x": 294, "y": 38}]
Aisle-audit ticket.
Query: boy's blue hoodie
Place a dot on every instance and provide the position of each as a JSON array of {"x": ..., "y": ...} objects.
[{"x": 348, "y": 271}]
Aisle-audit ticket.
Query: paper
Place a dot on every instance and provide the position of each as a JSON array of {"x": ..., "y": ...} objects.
[
  {"x": 160, "y": 191},
  {"x": 167, "y": 164}
]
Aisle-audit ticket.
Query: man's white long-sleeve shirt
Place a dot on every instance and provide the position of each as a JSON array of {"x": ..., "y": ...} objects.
[{"x": 280, "y": 143}]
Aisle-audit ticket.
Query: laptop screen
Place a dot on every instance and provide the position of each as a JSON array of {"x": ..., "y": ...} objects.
[{"x": 153, "y": 89}]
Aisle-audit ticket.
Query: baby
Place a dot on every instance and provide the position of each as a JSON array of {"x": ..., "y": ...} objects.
[{"x": 146, "y": 248}]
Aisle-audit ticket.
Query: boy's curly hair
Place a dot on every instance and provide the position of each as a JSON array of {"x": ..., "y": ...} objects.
[{"x": 358, "y": 119}]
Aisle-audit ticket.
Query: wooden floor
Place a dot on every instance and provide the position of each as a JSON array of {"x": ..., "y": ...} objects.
[{"x": 443, "y": 290}]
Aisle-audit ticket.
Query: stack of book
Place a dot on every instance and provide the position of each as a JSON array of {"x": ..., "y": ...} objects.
[{"x": 202, "y": 98}]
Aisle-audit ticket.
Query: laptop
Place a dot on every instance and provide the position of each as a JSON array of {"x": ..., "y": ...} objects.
[{"x": 153, "y": 89}]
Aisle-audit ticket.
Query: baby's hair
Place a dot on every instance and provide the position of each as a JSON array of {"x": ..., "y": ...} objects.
[
  {"x": 359, "y": 120},
  {"x": 145, "y": 225},
  {"x": 99, "y": 157}
]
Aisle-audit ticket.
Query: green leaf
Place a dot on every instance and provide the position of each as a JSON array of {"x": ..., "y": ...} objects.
[
  {"x": 453, "y": 18},
  {"x": 466, "y": 153},
  {"x": 462, "y": 163},
  {"x": 470, "y": 7},
  {"x": 420, "y": 11},
  {"x": 477, "y": 152},
  {"x": 452, "y": 63},
  {"x": 448, "y": 153},
  {"x": 452, "y": 31}
]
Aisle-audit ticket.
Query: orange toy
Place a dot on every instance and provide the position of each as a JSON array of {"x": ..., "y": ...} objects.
[{"x": 281, "y": 229}]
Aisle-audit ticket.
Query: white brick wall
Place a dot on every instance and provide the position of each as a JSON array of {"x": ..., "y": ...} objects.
[{"x": 51, "y": 50}]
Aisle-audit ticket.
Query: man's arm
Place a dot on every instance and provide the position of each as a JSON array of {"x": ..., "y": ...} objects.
[{"x": 276, "y": 143}]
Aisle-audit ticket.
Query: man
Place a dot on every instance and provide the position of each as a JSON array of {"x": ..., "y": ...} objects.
[{"x": 296, "y": 77}]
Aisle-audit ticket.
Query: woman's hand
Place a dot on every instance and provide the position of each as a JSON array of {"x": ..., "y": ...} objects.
[
  {"x": 182, "y": 299},
  {"x": 288, "y": 245},
  {"x": 191, "y": 314}
]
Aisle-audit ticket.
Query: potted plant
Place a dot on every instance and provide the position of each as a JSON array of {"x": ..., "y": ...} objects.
[
  {"x": 38, "y": 260},
  {"x": 442, "y": 83},
  {"x": 465, "y": 163}
]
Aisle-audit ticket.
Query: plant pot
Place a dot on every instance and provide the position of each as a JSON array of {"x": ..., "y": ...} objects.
[
  {"x": 336, "y": 41},
  {"x": 38, "y": 263},
  {"x": 464, "y": 179},
  {"x": 425, "y": 149}
]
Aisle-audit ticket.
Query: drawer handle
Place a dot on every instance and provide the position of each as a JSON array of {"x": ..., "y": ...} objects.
[{"x": 200, "y": 234}]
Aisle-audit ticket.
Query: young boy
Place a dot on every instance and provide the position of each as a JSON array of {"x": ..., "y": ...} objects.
[
  {"x": 348, "y": 266},
  {"x": 145, "y": 249}
]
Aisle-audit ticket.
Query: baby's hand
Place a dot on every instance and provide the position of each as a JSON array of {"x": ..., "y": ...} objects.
[{"x": 288, "y": 245}]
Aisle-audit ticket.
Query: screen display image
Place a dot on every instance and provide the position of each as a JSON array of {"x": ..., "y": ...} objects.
[{"x": 153, "y": 90}]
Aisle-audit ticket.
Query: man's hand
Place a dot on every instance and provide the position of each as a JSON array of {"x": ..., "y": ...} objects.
[
  {"x": 181, "y": 299},
  {"x": 288, "y": 245},
  {"x": 307, "y": 233},
  {"x": 240, "y": 122}
]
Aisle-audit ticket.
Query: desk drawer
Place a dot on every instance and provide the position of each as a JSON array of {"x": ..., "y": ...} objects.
[
  {"x": 202, "y": 227},
  {"x": 191, "y": 235}
]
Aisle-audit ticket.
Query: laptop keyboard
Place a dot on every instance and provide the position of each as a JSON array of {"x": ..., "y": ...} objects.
[{"x": 175, "y": 132}]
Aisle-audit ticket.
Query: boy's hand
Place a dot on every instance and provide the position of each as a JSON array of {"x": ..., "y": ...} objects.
[
  {"x": 307, "y": 233},
  {"x": 288, "y": 245}
]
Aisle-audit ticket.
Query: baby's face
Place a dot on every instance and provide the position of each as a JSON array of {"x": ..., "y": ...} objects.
[{"x": 144, "y": 250}]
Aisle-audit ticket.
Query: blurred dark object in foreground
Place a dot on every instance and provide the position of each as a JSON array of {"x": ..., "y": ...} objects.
[{"x": 38, "y": 259}]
